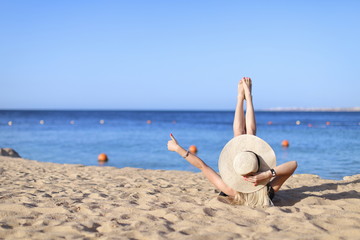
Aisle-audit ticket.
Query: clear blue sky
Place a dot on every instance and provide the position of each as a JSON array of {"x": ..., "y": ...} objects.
[{"x": 174, "y": 55}]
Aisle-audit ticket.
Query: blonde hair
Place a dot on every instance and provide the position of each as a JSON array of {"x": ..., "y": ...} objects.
[{"x": 254, "y": 199}]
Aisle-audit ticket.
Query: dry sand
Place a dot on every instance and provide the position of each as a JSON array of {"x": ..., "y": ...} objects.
[{"x": 56, "y": 201}]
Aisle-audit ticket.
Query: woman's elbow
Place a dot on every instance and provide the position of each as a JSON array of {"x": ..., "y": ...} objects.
[{"x": 294, "y": 165}]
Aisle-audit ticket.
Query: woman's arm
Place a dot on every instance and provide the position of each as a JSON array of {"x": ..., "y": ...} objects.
[
  {"x": 209, "y": 173},
  {"x": 283, "y": 172}
]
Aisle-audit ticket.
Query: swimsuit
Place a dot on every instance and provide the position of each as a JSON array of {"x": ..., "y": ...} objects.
[{"x": 271, "y": 192}]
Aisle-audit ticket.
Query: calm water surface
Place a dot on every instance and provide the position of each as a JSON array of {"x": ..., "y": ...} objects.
[{"x": 323, "y": 143}]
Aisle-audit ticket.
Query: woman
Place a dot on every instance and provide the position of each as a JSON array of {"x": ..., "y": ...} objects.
[{"x": 247, "y": 164}]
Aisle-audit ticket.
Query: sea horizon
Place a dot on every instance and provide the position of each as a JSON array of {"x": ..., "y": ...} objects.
[{"x": 276, "y": 109}]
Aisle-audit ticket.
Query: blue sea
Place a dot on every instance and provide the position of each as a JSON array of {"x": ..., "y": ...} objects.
[{"x": 323, "y": 143}]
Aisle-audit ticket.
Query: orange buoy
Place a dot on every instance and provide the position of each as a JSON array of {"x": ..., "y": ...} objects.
[
  {"x": 285, "y": 143},
  {"x": 310, "y": 125},
  {"x": 327, "y": 123},
  {"x": 193, "y": 149},
  {"x": 102, "y": 157},
  {"x": 269, "y": 122},
  {"x": 148, "y": 121}
]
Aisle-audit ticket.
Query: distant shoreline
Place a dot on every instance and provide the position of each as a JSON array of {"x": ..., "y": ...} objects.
[{"x": 353, "y": 109}]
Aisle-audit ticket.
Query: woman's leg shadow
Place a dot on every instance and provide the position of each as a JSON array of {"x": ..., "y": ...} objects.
[{"x": 343, "y": 190}]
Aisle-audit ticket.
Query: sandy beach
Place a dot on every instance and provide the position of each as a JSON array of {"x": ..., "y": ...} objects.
[{"x": 55, "y": 201}]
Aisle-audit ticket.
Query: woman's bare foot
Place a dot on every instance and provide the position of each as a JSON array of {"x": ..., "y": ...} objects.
[
  {"x": 247, "y": 85},
  {"x": 241, "y": 92}
]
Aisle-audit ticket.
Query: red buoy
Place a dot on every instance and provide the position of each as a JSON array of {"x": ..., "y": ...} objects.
[
  {"x": 193, "y": 149},
  {"x": 285, "y": 143},
  {"x": 102, "y": 157}
]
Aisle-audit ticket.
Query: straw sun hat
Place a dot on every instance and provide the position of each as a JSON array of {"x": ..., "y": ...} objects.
[{"x": 243, "y": 155}]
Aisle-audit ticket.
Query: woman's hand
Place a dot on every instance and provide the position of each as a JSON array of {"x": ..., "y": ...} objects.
[
  {"x": 173, "y": 144},
  {"x": 256, "y": 178}
]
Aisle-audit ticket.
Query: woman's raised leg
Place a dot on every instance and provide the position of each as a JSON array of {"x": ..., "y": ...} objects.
[
  {"x": 250, "y": 121},
  {"x": 239, "y": 118}
]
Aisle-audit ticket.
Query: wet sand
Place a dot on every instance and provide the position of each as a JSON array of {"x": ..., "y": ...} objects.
[{"x": 56, "y": 201}]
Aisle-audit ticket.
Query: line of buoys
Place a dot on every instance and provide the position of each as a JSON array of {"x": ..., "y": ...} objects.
[
  {"x": 72, "y": 122},
  {"x": 298, "y": 122}
]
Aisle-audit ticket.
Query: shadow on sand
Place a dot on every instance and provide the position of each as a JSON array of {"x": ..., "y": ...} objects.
[{"x": 290, "y": 197}]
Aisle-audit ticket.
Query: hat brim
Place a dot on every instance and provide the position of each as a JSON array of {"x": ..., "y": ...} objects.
[{"x": 239, "y": 144}]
